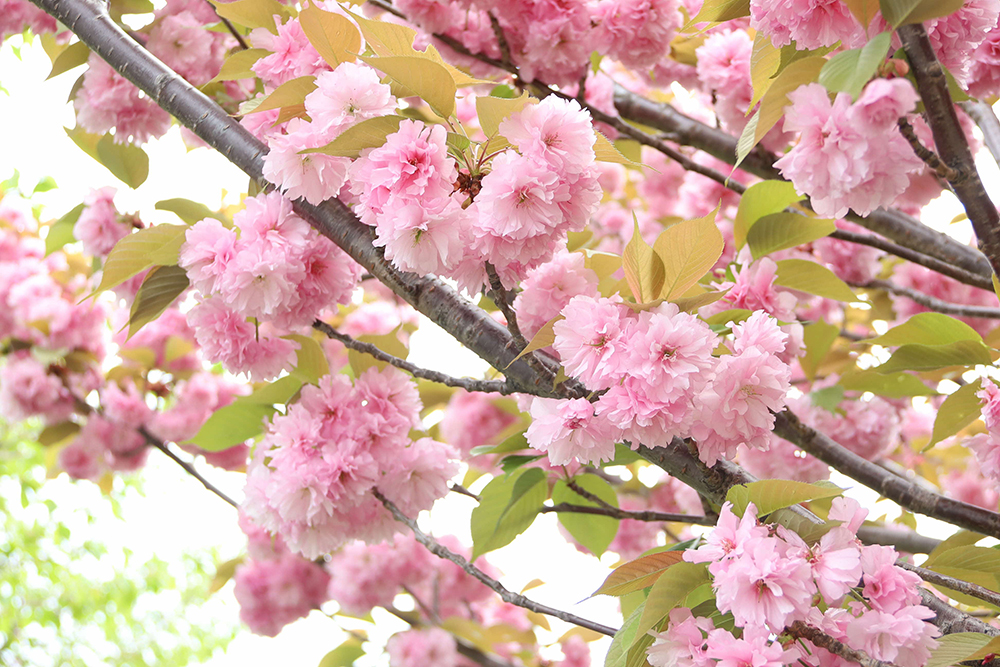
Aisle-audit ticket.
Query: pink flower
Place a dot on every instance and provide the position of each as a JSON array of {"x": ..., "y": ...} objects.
[
  {"x": 737, "y": 405},
  {"x": 882, "y": 103},
  {"x": 27, "y": 390},
  {"x": 567, "y": 430},
  {"x": 291, "y": 55},
  {"x": 208, "y": 248},
  {"x": 549, "y": 287},
  {"x": 182, "y": 43},
  {"x": 312, "y": 176},
  {"x": 637, "y": 32},
  {"x": 764, "y": 586},
  {"x": 365, "y": 576},
  {"x": 732, "y": 534},
  {"x": 811, "y": 24},
  {"x": 836, "y": 564},
  {"x": 98, "y": 226},
  {"x": 576, "y": 652},
  {"x": 227, "y": 338},
  {"x": 413, "y": 166},
  {"x": 273, "y": 593},
  {"x": 754, "y": 289},
  {"x": 890, "y": 636},
  {"x": 888, "y": 588},
  {"x": 125, "y": 404},
  {"x": 519, "y": 198},
  {"x": 753, "y": 650},
  {"x": 682, "y": 644},
  {"x": 419, "y": 648},
  {"x": 591, "y": 340},
  {"x": 109, "y": 101},
  {"x": 347, "y": 95},
  {"x": 473, "y": 419},
  {"x": 423, "y": 241},
  {"x": 990, "y": 395},
  {"x": 555, "y": 132},
  {"x": 955, "y": 36}
]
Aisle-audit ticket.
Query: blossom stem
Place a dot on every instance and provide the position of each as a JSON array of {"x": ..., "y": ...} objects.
[
  {"x": 635, "y": 515},
  {"x": 505, "y": 594}
]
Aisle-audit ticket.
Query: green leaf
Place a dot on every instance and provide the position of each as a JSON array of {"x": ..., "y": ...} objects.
[
  {"x": 366, "y": 134},
  {"x": 515, "y": 461},
  {"x": 386, "y": 39},
  {"x": 807, "y": 276},
  {"x": 428, "y": 80},
  {"x": 61, "y": 231},
  {"x": 818, "y": 338},
  {"x": 289, "y": 94},
  {"x": 344, "y": 655},
  {"x": 244, "y": 418},
  {"x": 605, "y": 151},
  {"x": 864, "y": 10},
  {"x": 762, "y": 199},
  {"x": 72, "y": 56},
  {"x": 333, "y": 36},
  {"x": 223, "y": 573},
  {"x": 237, "y": 65},
  {"x": 977, "y": 565},
  {"x": 717, "y": 11},
  {"x": 45, "y": 185},
  {"x": 958, "y": 411},
  {"x": 388, "y": 343},
  {"x": 955, "y": 648},
  {"x": 786, "y": 229},
  {"x": 507, "y": 506},
  {"x": 128, "y": 163},
  {"x": 827, "y": 398},
  {"x": 140, "y": 250},
  {"x": 310, "y": 361},
  {"x": 189, "y": 211},
  {"x": 669, "y": 591},
  {"x": 644, "y": 270},
  {"x": 624, "y": 638},
  {"x": 806, "y": 528},
  {"x": 687, "y": 250},
  {"x": 639, "y": 573},
  {"x": 252, "y": 13},
  {"x": 231, "y": 425},
  {"x": 934, "y": 357},
  {"x": 927, "y": 329},
  {"x": 764, "y": 61},
  {"x": 56, "y": 433},
  {"x": 769, "y": 495},
  {"x": 592, "y": 531},
  {"x": 902, "y": 12},
  {"x": 493, "y": 110},
  {"x": 890, "y": 385},
  {"x": 159, "y": 288},
  {"x": 963, "y": 538},
  {"x": 849, "y": 71}
]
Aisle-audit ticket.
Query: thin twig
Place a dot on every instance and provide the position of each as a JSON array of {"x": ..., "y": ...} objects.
[
  {"x": 933, "y": 263},
  {"x": 982, "y": 114},
  {"x": 969, "y": 588},
  {"x": 458, "y": 488},
  {"x": 580, "y": 491},
  {"x": 823, "y": 640},
  {"x": 501, "y": 40},
  {"x": 469, "y": 384},
  {"x": 636, "y": 515},
  {"x": 506, "y": 595},
  {"x": 931, "y": 302},
  {"x": 191, "y": 470},
  {"x": 929, "y": 157}
]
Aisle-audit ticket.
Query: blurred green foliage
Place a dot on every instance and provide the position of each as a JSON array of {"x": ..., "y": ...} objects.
[{"x": 69, "y": 597}]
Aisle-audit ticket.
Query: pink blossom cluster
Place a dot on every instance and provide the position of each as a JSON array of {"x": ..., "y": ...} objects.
[
  {"x": 661, "y": 381},
  {"x": 416, "y": 648},
  {"x": 473, "y": 419},
  {"x": 850, "y": 156},
  {"x": 18, "y": 15},
  {"x": 547, "y": 289},
  {"x": 291, "y": 54},
  {"x": 768, "y": 577},
  {"x": 180, "y": 39},
  {"x": 986, "y": 446},
  {"x": 311, "y": 478},
  {"x": 100, "y": 226},
  {"x": 811, "y": 24},
  {"x": 869, "y": 428},
  {"x": 107, "y": 101},
  {"x": 348, "y": 95},
  {"x": 957, "y": 36},
  {"x": 103, "y": 445},
  {"x": 410, "y": 190},
  {"x": 269, "y": 274},
  {"x": 274, "y": 586}
]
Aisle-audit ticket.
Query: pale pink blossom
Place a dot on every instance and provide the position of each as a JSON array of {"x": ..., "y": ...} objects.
[
  {"x": 902, "y": 637},
  {"x": 556, "y": 132},
  {"x": 291, "y": 54},
  {"x": 27, "y": 390},
  {"x": 208, "y": 248},
  {"x": 682, "y": 644},
  {"x": 273, "y": 593},
  {"x": 108, "y": 101},
  {"x": 811, "y": 24},
  {"x": 591, "y": 340},
  {"x": 754, "y": 289},
  {"x": 955, "y": 36},
  {"x": 420, "y": 648},
  {"x": 349, "y": 94},
  {"x": 99, "y": 227},
  {"x": 567, "y": 430},
  {"x": 314, "y": 177},
  {"x": 473, "y": 419},
  {"x": 888, "y": 588},
  {"x": 549, "y": 287},
  {"x": 731, "y": 536},
  {"x": 752, "y": 650},
  {"x": 182, "y": 43},
  {"x": 637, "y": 32},
  {"x": 229, "y": 339}
]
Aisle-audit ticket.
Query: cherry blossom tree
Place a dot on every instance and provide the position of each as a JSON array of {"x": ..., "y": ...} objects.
[{"x": 686, "y": 237}]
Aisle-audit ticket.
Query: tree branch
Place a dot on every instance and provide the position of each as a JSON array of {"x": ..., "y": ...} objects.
[
  {"x": 969, "y": 588},
  {"x": 931, "y": 302},
  {"x": 506, "y": 595},
  {"x": 984, "y": 117},
  {"x": 616, "y": 513},
  {"x": 950, "y": 139},
  {"x": 468, "y": 384},
  {"x": 895, "y": 488},
  {"x": 191, "y": 470},
  {"x": 823, "y": 640}
]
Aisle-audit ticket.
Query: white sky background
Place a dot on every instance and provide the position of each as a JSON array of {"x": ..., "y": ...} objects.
[{"x": 177, "y": 514}]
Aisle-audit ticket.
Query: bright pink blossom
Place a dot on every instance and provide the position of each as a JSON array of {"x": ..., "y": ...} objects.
[
  {"x": 591, "y": 340},
  {"x": 273, "y": 593},
  {"x": 99, "y": 226},
  {"x": 811, "y": 24},
  {"x": 292, "y": 55},
  {"x": 682, "y": 644},
  {"x": 555, "y": 132},
  {"x": 567, "y": 430},
  {"x": 312, "y": 176},
  {"x": 637, "y": 32},
  {"x": 349, "y": 94}
]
